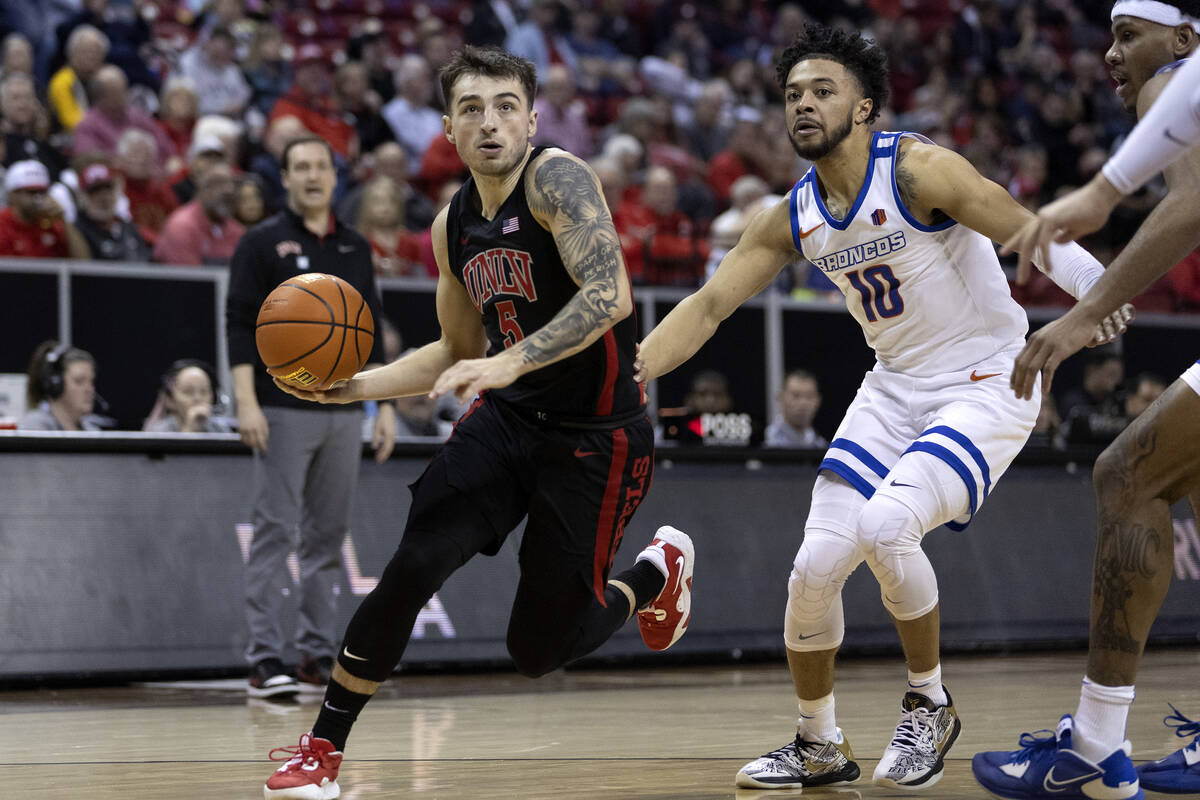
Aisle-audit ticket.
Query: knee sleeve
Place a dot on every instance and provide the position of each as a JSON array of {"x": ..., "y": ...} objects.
[
  {"x": 890, "y": 534},
  {"x": 813, "y": 619}
]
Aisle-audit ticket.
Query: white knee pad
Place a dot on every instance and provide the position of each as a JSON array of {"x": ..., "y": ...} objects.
[
  {"x": 813, "y": 619},
  {"x": 890, "y": 533}
]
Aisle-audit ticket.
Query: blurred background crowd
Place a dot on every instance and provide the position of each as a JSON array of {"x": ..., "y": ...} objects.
[{"x": 151, "y": 130}]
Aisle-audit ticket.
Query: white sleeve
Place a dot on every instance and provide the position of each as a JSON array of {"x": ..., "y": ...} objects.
[
  {"x": 1170, "y": 128},
  {"x": 1075, "y": 270}
]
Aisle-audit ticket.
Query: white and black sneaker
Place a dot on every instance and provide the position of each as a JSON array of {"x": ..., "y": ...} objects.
[
  {"x": 801, "y": 763},
  {"x": 917, "y": 753},
  {"x": 268, "y": 678}
]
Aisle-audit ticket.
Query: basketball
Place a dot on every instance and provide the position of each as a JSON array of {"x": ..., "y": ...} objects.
[{"x": 314, "y": 331}]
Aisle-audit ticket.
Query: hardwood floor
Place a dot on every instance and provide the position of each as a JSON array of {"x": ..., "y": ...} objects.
[{"x": 661, "y": 734}]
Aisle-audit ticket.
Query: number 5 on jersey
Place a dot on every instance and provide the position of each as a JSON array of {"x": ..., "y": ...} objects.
[
  {"x": 506, "y": 312},
  {"x": 880, "y": 291}
]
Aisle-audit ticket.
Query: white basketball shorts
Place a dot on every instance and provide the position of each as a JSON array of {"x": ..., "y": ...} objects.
[{"x": 969, "y": 419}]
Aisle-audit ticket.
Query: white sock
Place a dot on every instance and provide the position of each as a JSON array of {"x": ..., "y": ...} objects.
[
  {"x": 817, "y": 718},
  {"x": 929, "y": 684},
  {"x": 1100, "y": 720}
]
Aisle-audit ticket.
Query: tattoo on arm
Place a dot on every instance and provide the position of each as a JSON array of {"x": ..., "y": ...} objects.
[
  {"x": 907, "y": 185},
  {"x": 565, "y": 191}
]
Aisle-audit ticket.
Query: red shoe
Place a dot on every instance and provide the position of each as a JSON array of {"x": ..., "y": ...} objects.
[
  {"x": 666, "y": 618},
  {"x": 309, "y": 774}
]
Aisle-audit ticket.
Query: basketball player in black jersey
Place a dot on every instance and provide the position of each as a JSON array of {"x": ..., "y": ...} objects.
[{"x": 534, "y": 305}]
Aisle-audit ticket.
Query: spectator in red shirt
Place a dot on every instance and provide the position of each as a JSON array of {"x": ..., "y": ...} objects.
[
  {"x": 150, "y": 197},
  {"x": 741, "y": 157},
  {"x": 394, "y": 249},
  {"x": 178, "y": 111},
  {"x": 33, "y": 226},
  {"x": 672, "y": 254},
  {"x": 111, "y": 115},
  {"x": 204, "y": 230},
  {"x": 311, "y": 101}
]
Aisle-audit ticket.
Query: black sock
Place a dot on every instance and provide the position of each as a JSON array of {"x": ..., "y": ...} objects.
[
  {"x": 338, "y": 713},
  {"x": 645, "y": 580}
]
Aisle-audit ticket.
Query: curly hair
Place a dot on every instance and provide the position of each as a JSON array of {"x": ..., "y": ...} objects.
[{"x": 862, "y": 57}]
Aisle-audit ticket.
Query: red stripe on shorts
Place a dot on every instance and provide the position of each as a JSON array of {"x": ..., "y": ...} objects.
[
  {"x": 604, "y": 403},
  {"x": 605, "y": 529}
]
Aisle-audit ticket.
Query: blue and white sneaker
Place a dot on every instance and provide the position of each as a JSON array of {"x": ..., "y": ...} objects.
[
  {"x": 1178, "y": 773},
  {"x": 1046, "y": 766}
]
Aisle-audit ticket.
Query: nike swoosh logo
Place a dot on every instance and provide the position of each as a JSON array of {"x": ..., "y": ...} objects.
[
  {"x": 585, "y": 453},
  {"x": 802, "y": 637},
  {"x": 346, "y": 652},
  {"x": 975, "y": 377},
  {"x": 1175, "y": 139},
  {"x": 334, "y": 709},
  {"x": 905, "y": 485},
  {"x": 679, "y": 577},
  {"x": 1051, "y": 785},
  {"x": 809, "y": 232}
]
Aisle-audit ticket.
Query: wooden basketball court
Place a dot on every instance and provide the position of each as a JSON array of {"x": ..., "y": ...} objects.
[{"x": 672, "y": 733}]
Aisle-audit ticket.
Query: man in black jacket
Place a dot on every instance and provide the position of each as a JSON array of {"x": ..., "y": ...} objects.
[{"x": 305, "y": 474}]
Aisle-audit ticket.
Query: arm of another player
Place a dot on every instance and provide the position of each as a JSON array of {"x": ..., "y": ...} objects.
[
  {"x": 1163, "y": 239},
  {"x": 564, "y": 195},
  {"x": 746, "y": 270},
  {"x": 462, "y": 337}
]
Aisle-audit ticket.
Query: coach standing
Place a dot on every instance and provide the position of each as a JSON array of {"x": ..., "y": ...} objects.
[{"x": 306, "y": 457}]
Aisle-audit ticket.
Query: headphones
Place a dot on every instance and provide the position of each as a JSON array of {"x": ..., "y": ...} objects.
[{"x": 52, "y": 371}]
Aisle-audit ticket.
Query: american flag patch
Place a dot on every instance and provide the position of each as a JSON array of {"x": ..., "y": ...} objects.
[
  {"x": 511, "y": 224},
  {"x": 878, "y": 216}
]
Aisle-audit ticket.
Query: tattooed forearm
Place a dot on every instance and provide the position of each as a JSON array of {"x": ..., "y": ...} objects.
[{"x": 565, "y": 192}]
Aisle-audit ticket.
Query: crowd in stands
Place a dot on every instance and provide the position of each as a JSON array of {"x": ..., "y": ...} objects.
[{"x": 129, "y": 104}]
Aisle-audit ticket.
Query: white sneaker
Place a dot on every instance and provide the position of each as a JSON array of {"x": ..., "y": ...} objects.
[
  {"x": 916, "y": 755},
  {"x": 801, "y": 763}
]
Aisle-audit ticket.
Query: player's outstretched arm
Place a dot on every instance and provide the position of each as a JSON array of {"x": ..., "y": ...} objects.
[
  {"x": 564, "y": 196},
  {"x": 746, "y": 270}
]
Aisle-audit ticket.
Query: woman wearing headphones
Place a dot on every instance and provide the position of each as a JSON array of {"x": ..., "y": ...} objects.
[
  {"x": 185, "y": 401},
  {"x": 61, "y": 390}
]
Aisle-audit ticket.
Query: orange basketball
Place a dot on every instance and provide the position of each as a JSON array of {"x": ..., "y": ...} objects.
[{"x": 314, "y": 330}]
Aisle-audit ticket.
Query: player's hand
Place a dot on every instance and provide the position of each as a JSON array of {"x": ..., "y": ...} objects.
[
  {"x": 252, "y": 427},
  {"x": 383, "y": 434},
  {"x": 338, "y": 393},
  {"x": 1112, "y": 326},
  {"x": 1049, "y": 347},
  {"x": 639, "y": 366},
  {"x": 1074, "y": 215},
  {"x": 469, "y": 377}
]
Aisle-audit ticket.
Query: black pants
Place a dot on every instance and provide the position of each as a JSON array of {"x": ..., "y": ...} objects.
[{"x": 578, "y": 490}]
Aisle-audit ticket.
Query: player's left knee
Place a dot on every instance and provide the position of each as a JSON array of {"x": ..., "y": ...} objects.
[
  {"x": 890, "y": 535},
  {"x": 531, "y": 656}
]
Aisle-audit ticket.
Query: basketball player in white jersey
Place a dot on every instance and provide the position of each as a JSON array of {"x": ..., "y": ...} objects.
[
  {"x": 902, "y": 227},
  {"x": 1155, "y": 461}
]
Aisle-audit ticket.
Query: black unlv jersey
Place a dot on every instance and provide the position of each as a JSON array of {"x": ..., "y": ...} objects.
[{"x": 512, "y": 271}]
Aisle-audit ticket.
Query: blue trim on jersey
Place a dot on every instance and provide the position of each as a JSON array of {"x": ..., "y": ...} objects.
[
  {"x": 841, "y": 225},
  {"x": 1174, "y": 65},
  {"x": 955, "y": 463},
  {"x": 969, "y": 446},
  {"x": 844, "y": 470},
  {"x": 859, "y": 452},
  {"x": 957, "y": 526},
  {"x": 909, "y": 218},
  {"x": 795, "y": 207}
]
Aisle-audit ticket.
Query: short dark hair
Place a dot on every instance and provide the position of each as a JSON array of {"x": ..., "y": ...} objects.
[
  {"x": 283, "y": 160},
  {"x": 800, "y": 374},
  {"x": 492, "y": 62},
  {"x": 862, "y": 57}
]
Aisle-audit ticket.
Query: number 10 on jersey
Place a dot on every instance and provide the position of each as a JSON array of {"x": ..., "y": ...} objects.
[{"x": 880, "y": 291}]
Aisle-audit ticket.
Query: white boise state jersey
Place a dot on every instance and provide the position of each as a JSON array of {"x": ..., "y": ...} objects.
[{"x": 930, "y": 299}]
